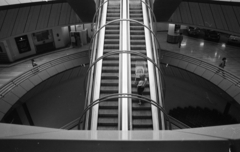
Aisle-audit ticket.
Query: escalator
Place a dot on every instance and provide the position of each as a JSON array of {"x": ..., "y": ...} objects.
[
  {"x": 141, "y": 114},
  {"x": 108, "y": 110}
]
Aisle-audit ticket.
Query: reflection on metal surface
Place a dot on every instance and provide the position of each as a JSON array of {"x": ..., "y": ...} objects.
[
  {"x": 223, "y": 45},
  {"x": 15, "y": 2}
]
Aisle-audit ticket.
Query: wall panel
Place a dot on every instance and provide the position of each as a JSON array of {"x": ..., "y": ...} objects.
[
  {"x": 63, "y": 14},
  {"x": 73, "y": 17},
  {"x": 21, "y": 20},
  {"x": 185, "y": 13},
  {"x": 2, "y": 17},
  {"x": 231, "y": 19},
  {"x": 54, "y": 15},
  {"x": 32, "y": 18},
  {"x": 208, "y": 19},
  {"x": 196, "y": 13},
  {"x": 176, "y": 17},
  {"x": 222, "y": 17},
  {"x": 9, "y": 22},
  {"x": 44, "y": 16},
  {"x": 237, "y": 13},
  {"x": 219, "y": 17}
]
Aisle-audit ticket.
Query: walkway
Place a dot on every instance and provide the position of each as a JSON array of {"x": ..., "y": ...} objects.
[
  {"x": 8, "y": 73},
  {"x": 211, "y": 52},
  {"x": 208, "y": 51}
]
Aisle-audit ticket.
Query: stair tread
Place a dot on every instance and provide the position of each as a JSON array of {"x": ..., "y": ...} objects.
[
  {"x": 142, "y": 113},
  {"x": 107, "y": 120},
  {"x": 142, "y": 121},
  {"x": 109, "y": 104},
  {"x": 107, "y": 128},
  {"x": 109, "y": 74},
  {"x": 108, "y": 112},
  {"x": 112, "y": 88}
]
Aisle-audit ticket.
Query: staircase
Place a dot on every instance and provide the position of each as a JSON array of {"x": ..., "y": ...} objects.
[
  {"x": 141, "y": 114},
  {"x": 108, "y": 110}
]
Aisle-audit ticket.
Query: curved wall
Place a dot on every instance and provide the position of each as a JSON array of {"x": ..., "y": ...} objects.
[
  {"x": 223, "y": 17},
  {"x": 25, "y": 19},
  {"x": 229, "y": 83},
  {"x": 19, "y": 86},
  {"x": 54, "y": 102}
]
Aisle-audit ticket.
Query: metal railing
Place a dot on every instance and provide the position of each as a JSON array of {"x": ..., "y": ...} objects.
[
  {"x": 123, "y": 95},
  {"x": 28, "y": 74},
  {"x": 118, "y": 20},
  {"x": 213, "y": 68},
  {"x": 112, "y": 53}
]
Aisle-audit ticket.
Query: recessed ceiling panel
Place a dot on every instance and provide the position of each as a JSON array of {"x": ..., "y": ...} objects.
[
  {"x": 15, "y": 2},
  {"x": 10, "y": 2},
  {"x": 25, "y": 1},
  {"x": 3, "y": 2}
]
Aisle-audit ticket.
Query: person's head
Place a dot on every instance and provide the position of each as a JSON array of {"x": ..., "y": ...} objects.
[
  {"x": 32, "y": 60},
  {"x": 224, "y": 59}
]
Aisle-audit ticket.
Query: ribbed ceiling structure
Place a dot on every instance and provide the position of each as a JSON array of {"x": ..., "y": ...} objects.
[{"x": 14, "y": 2}]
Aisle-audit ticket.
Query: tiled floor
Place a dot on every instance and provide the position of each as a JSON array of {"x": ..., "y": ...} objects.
[
  {"x": 208, "y": 51},
  {"x": 8, "y": 73},
  {"x": 211, "y": 52}
]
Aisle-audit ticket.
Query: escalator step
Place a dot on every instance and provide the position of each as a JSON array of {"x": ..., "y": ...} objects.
[
  {"x": 110, "y": 63},
  {"x": 142, "y": 113},
  {"x": 137, "y": 28},
  {"x": 137, "y": 42},
  {"x": 111, "y": 31},
  {"x": 137, "y": 32},
  {"x": 109, "y": 82},
  {"x": 138, "y": 47},
  {"x": 107, "y": 128},
  {"x": 109, "y": 104},
  {"x": 111, "y": 41},
  {"x": 142, "y": 122},
  {"x": 107, "y": 121},
  {"x": 108, "y": 112},
  {"x": 111, "y": 46},
  {"x": 109, "y": 89},
  {"x": 111, "y": 36},
  {"x": 137, "y": 37}
]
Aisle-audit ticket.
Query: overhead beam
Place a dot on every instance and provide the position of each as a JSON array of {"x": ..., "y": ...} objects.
[
  {"x": 85, "y": 9},
  {"x": 163, "y": 9}
]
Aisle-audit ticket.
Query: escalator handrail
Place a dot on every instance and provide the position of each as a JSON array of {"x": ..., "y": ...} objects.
[
  {"x": 105, "y": 1},
  {"x": 174, "y": 119},
  {"x": 118, "y": 20},
  {"x": 160, "y": 79},
  {"x": 123, "y": 95},
  {"x": 152, "y": 13},
  {"x": 93, "y": 56},
  {"x": 112, "y": 53},
  {"x": 97, "y": 11}
]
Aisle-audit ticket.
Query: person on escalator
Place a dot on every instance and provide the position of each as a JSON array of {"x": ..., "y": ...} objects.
[{"x": 141, "y": 86}]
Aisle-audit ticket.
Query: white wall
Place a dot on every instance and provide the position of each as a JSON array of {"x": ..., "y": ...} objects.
[
  {"x": 65, "y": 35},
  {"x": 162, "y": 26},
  {"x": 58, "y": 37},
  {"x": 13, "y": 50},
  {"x": 5, "y": 49}
]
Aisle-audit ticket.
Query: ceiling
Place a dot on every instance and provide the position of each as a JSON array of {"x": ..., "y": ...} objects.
[{"x": 14, "y": 2}]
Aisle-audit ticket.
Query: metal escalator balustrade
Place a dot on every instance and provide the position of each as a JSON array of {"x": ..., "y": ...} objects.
[
  {"x": 106, "y": 114},
  {"x": 134, "y": 96},
  {"x": 141, "y": 114},
  {"x": 108, "y": 110}
]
